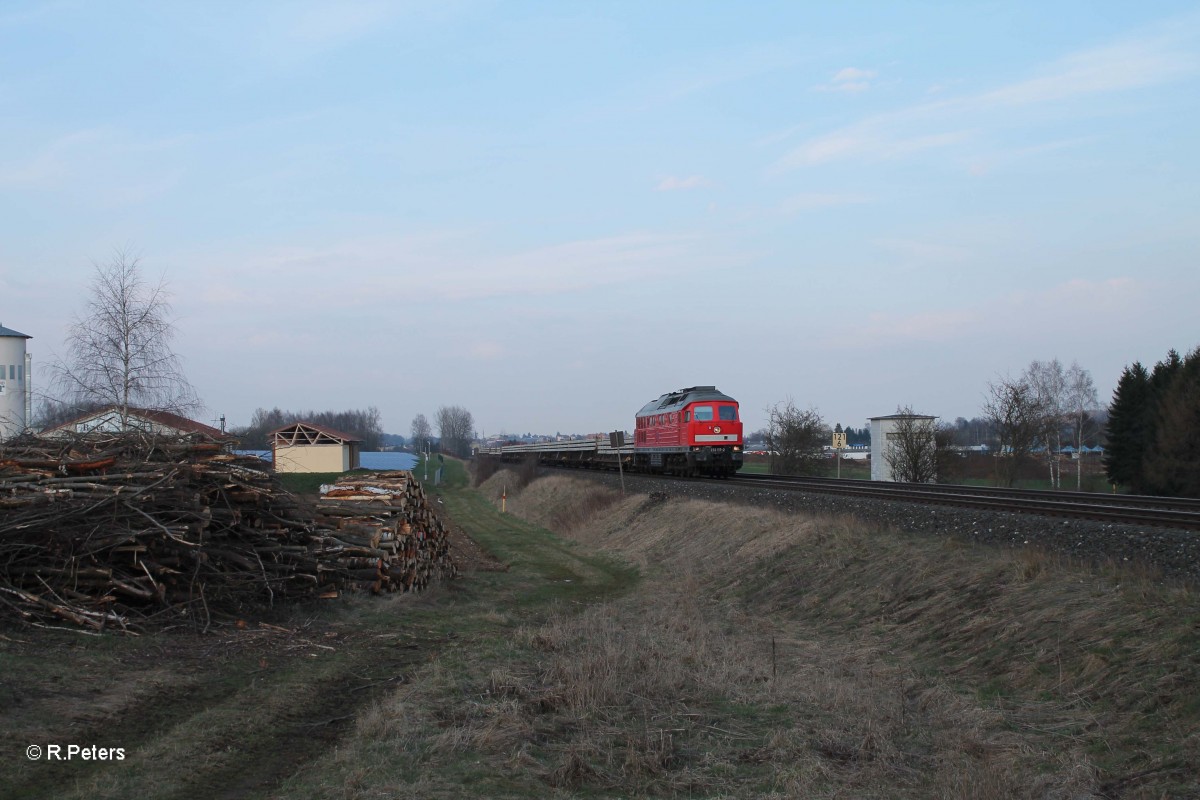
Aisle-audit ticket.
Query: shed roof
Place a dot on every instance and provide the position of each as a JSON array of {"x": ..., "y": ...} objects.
[
  {"x": 10, "y": 332},
  {"x": 311, "y": 428},
  {"x": 903, "y": 416},
  {"x": 164, "y": 418}
]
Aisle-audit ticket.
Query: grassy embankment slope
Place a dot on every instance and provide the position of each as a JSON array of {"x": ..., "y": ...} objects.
[
  {"x": 757, "y": 656},
  {"x": 773, "y": 656}
]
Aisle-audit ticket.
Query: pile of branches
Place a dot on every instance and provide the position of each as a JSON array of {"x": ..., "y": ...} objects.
[{"x": 133, "y": 532}]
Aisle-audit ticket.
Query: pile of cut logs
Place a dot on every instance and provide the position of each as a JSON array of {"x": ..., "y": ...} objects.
[
  {"x": 133, "y": 532},
  {"x": 390, "y": 538}
]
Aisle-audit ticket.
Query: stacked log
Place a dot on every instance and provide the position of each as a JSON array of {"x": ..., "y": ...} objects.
[
  {"x": 133, "y": 532},
  {"x": 388, "y": 517}
]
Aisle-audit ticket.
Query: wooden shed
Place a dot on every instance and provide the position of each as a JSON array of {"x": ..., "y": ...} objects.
[{"x": 308, "y": 447}]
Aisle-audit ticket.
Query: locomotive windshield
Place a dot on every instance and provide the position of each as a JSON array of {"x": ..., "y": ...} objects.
[{"x": 723, "y": 412}]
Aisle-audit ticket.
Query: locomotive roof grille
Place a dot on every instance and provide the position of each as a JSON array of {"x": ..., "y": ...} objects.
[{"x": 681, "y": 397}]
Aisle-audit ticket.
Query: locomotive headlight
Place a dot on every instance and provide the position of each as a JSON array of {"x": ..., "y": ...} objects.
[{"x": 736, "y": 448}]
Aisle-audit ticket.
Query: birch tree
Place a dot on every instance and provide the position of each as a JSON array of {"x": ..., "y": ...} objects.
[
  {"x": 1048, "y": 381},
  {"x": 1080, "y": 403},
  {"x": 119, "y": 348}
]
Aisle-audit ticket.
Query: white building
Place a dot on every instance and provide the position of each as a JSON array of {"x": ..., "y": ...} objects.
[
  {"x": 143, "y": 420},
  {"x": 883, "y": 429},
  {"x": 15, "y": 388}
]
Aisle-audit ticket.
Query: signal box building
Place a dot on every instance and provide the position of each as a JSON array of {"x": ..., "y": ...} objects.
[
  {"x": 883, "y": 429},
  {"x": 307, "y": 447}
]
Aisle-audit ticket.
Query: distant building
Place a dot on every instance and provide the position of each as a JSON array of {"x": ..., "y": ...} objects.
[
  {"x": 15, "y": 395},
  {"x": 883, "y": 429},
  {"x": 308, "y": 447},
  {"x": 108, "y": 420}
]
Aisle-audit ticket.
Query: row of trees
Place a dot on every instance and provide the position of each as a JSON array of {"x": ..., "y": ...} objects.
[
  {"x": 1039, "y": 411},
  {"x": 365, "y": 424},
  {"x": 456, "y": 431},
  {"x": 1154, "y": 427}
]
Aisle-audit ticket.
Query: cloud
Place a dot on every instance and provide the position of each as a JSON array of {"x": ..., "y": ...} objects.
[
  {"x": 1058, "y": 309},
  {"x": 486, "y": 351},
  {"x": 1127, "y": 65},
  {"x": 923, "y": 326},
  {"x": 376, "y": 272},
  {"x": 869, "y": 142},
  {"x": 673, "y": 184},
  {"x": 1082, "y": 296},
  {"x": 813, "y": 201},
  {"x": 57, "y": 163},
  {"x": 849, "y": 79},
  {"x": 1123, "y": 66},
  {"x": 927, "y": 252}
]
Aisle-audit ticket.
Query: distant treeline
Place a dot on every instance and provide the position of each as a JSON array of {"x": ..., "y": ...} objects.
[{"x": 364, "y": 424}]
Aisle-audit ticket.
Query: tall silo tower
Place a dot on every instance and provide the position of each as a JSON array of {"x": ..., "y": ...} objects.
[{"x": 15, "y": 388}]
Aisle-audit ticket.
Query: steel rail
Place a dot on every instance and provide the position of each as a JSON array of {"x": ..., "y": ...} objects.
[{"x": 1124, "y": 509}]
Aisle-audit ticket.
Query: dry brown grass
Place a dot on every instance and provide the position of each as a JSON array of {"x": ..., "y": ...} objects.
[
  {"x": 916, "y": 662},
  {"x": 783, "y": 656}
]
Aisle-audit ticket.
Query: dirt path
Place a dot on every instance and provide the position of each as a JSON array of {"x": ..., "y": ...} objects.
[{"x": 227, "y": 715}]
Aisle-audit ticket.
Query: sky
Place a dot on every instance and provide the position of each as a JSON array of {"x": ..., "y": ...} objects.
[{"x": 552, "y": 213}]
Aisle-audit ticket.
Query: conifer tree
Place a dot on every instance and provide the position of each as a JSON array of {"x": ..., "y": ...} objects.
[
  {"x": 1128, "y": 426},
  {"x": 1171, "y": 466}
]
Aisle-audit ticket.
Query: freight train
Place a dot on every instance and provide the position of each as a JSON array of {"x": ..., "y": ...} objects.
[{"x": 694, "y": 431}]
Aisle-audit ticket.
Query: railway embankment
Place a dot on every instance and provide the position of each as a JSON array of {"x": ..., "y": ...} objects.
[
  {"x": 897, "y": 665},
  {"x": 1146, "y": 551}
]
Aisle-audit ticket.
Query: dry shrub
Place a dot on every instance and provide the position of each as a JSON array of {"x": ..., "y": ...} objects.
[
  {"x": 503, "y": 481},
  {"x": 528, "y": 471},
  {"x": 483, "y": 467}
]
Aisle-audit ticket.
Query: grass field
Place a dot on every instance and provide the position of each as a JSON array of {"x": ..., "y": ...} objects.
[{"x": 647, "y": 647}]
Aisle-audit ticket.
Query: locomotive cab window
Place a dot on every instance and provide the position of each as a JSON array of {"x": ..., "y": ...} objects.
[
  {"x": 727, "y": 413},
  {"x": 704, "y": 413}
]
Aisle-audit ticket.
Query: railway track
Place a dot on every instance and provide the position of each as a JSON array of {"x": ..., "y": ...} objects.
[{"x": 1180, "y": 513}]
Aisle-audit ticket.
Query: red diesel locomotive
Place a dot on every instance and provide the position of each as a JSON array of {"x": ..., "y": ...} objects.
[{"x": 694, "y": 431}]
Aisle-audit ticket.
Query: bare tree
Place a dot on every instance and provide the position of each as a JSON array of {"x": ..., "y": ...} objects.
[
  {"x": 1080, "y": 406},
  {"x": 950, "y": 458},
  {"x": 422, "y": 434},
  {"x": 1014, "y": 409},
  {"x": 911, "y": 449},
  {"x": 795, "y": 438},
  {"x": 119, "y": 351},
  {"x": 456, "y": 427},
  {"x": 1049, "y": 383}
]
